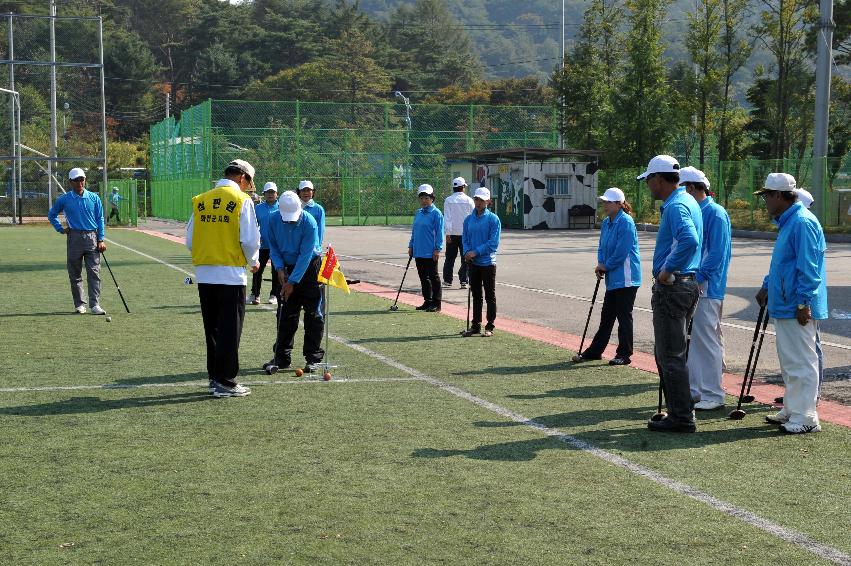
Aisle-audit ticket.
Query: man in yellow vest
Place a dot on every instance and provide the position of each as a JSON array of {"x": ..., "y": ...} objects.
[{"x": 223, "y": 237}]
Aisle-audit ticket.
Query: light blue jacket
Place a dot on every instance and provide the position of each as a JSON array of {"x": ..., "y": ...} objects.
[
  {"x": 797, "y": 273},
  {"x": 481, "y": 235},
  {"x": 618, "y": 251},
  {"x": 264, "y": 213},
  {"x": 318, "y": 214},
  {"x": 680, "y": 235},
  {"x": 717, "y": 248},
  {"x": 293, "y": 243},
  {"x": 83, "y": 212},
  {"x": 427, "y": 232}
]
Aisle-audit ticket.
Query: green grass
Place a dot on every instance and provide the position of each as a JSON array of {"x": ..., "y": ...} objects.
[{"x": 376, "y": 472}]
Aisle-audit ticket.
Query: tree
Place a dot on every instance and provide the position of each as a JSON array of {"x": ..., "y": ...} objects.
[
  {"x": 703, "y": 35},
  {"x": 734, "y": 52},
  {"x": 132, "y": 71},
  {"x": 641, "y": 102},
  {"x": 782, "y": 30},
  {"x": 436, "y": 53}
]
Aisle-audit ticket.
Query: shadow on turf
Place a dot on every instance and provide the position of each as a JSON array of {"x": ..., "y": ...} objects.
[
  {"x": 78, "y": 405},
  {"x": 523, "y": 369},
  {"x": 400, "y": 339},
  {"x": 27, "y": 314},
  {"x": 173, "y": 378},
  {"x": 629, "y": 438},
  {"x": 593, "y": 391}
]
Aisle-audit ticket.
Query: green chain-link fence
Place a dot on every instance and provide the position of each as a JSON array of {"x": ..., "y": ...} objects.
[{"x": 365, "y": 159}]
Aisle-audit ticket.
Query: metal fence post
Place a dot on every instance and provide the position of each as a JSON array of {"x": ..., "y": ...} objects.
[{"x": 298, "y": 139}]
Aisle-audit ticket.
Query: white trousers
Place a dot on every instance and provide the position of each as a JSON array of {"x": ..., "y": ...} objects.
[
  {"x": 799, "y": 366},
  {"x": 706, "y": 352}
]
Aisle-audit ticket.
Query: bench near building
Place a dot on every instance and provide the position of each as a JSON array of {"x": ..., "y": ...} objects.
[{"x": 535, "y": 188}]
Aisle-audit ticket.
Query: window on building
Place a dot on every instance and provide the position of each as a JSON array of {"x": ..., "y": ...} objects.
[{"x": 558, "y": 185}]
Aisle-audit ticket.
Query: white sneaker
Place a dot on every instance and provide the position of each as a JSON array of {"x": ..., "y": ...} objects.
[
  {"x": 777, "y": 418},
  {"x": 81, "y": 309},
  {"x": 97, "y": 310},
  {"x": 250, "y": 300},
  {"x": 273, "y": 300},
  {"x": 239, "y": 390},
  {"x": 707, "y": 405},
  {"x": 794, "y": 428}
]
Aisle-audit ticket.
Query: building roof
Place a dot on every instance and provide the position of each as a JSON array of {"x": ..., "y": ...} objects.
[{"x": 519, "y": 153}]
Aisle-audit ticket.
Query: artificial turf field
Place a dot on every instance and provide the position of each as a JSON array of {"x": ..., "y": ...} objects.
[{"x": 416, "y": 452}]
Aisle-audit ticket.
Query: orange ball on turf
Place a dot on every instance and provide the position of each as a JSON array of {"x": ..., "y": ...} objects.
[
  {"x": 327, "y": 376},
  {"x": 299, "y": 372}
]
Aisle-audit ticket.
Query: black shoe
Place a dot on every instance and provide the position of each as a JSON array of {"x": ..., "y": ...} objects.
[
  {"x": 778, "y": 400},
  {"x": 309, "y": 368},
  {"x": 433, "y": 308},
  {"x": 423, "y": 306},
  {"x": 668, "y": 425},
  {"x": 620, "y": 362}
]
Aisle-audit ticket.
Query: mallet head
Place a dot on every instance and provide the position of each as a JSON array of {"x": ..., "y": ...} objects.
[
  {"x": 736, "y": 415},
  {"x": 394, "y": 308}
]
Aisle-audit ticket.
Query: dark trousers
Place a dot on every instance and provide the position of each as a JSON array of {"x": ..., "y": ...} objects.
[
  {"x": 429, "y": 280},
  {"x": 453, "y": 249},
  {"x": 257, "y": 280},
  {"x": 617, "y": 305},
  {"x": 673, "y": 305},
  {"x": 306, "y": 295},
  {"x": 483, "y": 277},
  {"x": 223, "y": 312},
  {"x": 115, "y": 212}
]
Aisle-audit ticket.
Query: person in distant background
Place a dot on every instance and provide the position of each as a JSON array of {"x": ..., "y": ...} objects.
[
  {"x": 264, "y": 211},
  {"x": 114, "y": 202}
]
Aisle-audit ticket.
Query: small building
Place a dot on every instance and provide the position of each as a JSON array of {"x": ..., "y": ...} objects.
[{"x": 534, "y": 188}]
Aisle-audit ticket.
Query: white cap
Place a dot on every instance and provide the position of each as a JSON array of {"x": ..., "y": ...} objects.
[
  {"x": 613, "y": 194},
  {"x": 482, "y": 193},
  {"x": 661, "y": 164},
  {"x": 243, "y": 166},
  {"x": 270, "y": 186},
  {"x": 458, "y": 182},
  {"x": 693, "y": 175},
  {"x": 289, "y": 205},
  {"x": 76, "y": 173},
  {"x": 305, "y": 185},
  {"x": 805, "y": 197},
  {"x": 114, "y": 189},
  {"x": 783, "y": 182},
  {"x": 425, "y": 188}
]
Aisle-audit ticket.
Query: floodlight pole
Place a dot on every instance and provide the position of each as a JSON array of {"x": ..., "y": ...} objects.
[
  {"x": 15, "y": 131},
  {"x": 53, "y": 141},
  {"x": 561, "y": 98},
  {"x": 824, "y": 42},
  {"x": 102, "y": 110},
  {"x": 408, "y": 184}
]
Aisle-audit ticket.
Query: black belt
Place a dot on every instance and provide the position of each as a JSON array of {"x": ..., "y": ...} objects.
[{"x": 684, "y": 276}]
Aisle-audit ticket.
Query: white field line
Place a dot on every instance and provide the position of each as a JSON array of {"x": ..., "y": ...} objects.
[
  {"x": 152, "y": 258},
  {"x": 197, "y": 384},
  {"x": 774, "y": 529},
  {"x": 789, "y": 535},
  {"x": 553, "y": 293}
]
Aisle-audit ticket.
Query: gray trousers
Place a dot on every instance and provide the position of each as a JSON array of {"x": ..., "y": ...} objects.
[
  {"x": 82, "y": 245},
  {"x": 672, "y": 306}
]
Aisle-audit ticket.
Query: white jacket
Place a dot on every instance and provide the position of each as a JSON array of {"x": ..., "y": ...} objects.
[{"x": 456, "y": 207}]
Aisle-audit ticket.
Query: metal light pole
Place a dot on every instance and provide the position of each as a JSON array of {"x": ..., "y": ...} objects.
[
  {"x": 824, "y": 41},
  {"x": 17, "y": 170},
  {"x": 408, "y": 184},
  {"x": 561, "y": 98}
]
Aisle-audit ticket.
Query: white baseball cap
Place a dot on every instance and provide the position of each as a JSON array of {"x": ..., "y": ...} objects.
[
  {"x": 482, "y": 193},
  {"x": 76, "y": 173},
  {"x": 693, "y": 175},
  {"x": 243, "y": 166},
  {"x": 781, "y": 182},
  {"x": 805, "y": 197},
  {"x": 270, "y": 186},
  {"x": 613, "y": 194},
  {"x": 305, "y": 185},
  {"x": 289, "y": 205},
  {"x": 661, "y": 164},
  {"x": 458, "y": 182},
  {"x": 425, "y": 188}
]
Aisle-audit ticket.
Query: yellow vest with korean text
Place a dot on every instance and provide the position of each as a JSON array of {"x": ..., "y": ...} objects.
[{"x": 215, "y": 231}]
